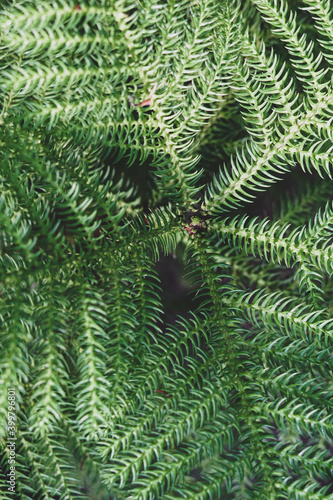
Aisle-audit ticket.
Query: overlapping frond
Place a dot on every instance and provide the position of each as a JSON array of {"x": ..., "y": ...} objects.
[{"x": 131, "y": 131}]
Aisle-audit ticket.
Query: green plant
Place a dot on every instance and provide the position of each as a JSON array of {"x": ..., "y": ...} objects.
[{"x": 133, "y": 130}]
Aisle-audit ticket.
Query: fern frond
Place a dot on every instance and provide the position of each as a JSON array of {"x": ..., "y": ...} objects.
[
  {"x": 288, "y": 315},
  {"x": 324, "y": 25},
  {"x": 301, "y": 50},
  {"x": 131, "y": 132}
]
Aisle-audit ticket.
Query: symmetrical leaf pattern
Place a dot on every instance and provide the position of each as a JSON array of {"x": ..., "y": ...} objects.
[{"x": 135, "y": 130}]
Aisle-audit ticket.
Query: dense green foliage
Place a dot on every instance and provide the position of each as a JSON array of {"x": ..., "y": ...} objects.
[{"x": 131, "y": 130}]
